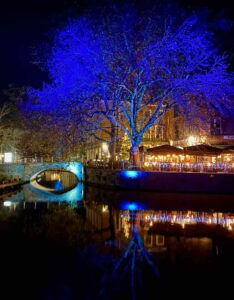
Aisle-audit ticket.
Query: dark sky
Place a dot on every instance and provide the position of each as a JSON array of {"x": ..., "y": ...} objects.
[
  {"x": 23, "y": 26},
  {"x": 26, "y": 24}
]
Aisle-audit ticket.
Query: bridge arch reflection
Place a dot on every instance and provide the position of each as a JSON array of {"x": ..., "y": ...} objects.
[{"x": 31, "y": 170}]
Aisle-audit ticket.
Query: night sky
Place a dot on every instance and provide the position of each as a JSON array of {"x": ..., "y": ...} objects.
[{"x": 26, "y": 24}]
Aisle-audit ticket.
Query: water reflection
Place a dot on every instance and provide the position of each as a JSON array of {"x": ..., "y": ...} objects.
[
  {"x": 57, "y": 180},
  {"x": 149, "y": 214},
  {"x": 187, "y": 234},
  {"x": 183, "y": 218},
  {"x": 150, "y": 221},
  {"x": 188, "y": 246},
  {"x": 53, "y": 186}
]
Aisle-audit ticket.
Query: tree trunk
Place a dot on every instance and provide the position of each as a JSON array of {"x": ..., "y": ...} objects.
[
  {"x": 112, "y": 148},
  {"x": 135, "y": 156}
]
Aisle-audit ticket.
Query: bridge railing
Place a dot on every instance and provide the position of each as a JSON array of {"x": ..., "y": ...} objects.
[
  {"x": 27, "y": 160},
  {"x": 166, "y": 167}
]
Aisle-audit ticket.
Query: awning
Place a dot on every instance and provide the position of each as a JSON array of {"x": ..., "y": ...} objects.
[
  {"x": 202, "y": 150},
  {"x": 164, "y": 150},
  {"x": 228, "y": 150}
]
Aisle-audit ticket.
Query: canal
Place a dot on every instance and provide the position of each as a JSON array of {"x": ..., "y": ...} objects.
[{"x": 63, "y": 240}]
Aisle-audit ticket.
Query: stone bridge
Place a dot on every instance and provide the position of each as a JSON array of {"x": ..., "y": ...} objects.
[{"x": 28, "y": 171}]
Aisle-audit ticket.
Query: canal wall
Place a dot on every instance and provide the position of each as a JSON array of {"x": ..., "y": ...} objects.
[
  {"x": 161, "y": 181},
  {"x": 131, "y": 179}
]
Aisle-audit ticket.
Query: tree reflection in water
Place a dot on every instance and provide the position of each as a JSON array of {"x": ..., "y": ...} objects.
[
  {"x": 83, "y": 252},
  {"x": 131, "y": 268}
]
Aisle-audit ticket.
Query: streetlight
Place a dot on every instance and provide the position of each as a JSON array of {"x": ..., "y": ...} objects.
[{"x": 192, "y": 140}]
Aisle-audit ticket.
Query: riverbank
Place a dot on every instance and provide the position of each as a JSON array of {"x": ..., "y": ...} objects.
[
  {"x": 160, "y": 181},
  {"x": 9, "y": 184},
  {"x": 136, "y": 180}
]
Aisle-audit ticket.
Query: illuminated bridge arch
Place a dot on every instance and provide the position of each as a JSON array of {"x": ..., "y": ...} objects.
[{"x": 76, "y": 168}]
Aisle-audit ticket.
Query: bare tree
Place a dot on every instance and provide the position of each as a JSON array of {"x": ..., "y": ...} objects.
[{"x": 118, "y": 68}]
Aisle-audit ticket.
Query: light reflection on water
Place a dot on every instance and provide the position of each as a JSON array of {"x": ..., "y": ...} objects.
[
  {"x": 186, "y": 238},
  {"x": 31, "y": 194},
  {"x": 101, "y": 206},
  {"x": 138, "y": 210},
  {"x": 185, "y": 218},
  {"x": 149, "y": 221},
  {"x": 58, "y": 180}
]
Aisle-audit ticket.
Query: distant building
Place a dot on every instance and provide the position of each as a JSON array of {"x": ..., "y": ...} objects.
[
  {"x": 222, "y": 131},
  {"x": 173, "y": 129}
]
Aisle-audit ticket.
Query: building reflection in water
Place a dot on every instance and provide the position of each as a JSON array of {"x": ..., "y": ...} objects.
[
  {"x": 196, "y": 234},
  {"x": 183, "y": 218},
  {"x": 188, "y": 246},
  {"x": 98, "y": 215},
  {"x": 160, "y": 229}
]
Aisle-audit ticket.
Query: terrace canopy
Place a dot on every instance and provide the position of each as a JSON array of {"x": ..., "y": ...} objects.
[
  {"x": 202, "y": 150},
  {"x": 228, "y": 150},
  {"x": 164, "y": 150}
]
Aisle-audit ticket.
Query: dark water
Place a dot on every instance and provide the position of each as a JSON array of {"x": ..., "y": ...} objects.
[{"x": 89, "y": 243}]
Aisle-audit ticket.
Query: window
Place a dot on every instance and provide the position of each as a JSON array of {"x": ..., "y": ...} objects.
[{"x": 216, "y": 126}]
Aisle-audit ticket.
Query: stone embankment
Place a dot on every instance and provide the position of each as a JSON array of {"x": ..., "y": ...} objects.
[
  {"x": 131, "y": 179},
  {"x": 160, "y": 181},
  {"x": 9, "y": 184}
]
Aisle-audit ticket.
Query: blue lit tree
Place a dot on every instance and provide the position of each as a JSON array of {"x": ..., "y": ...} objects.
[
  {"x": 46, "y": 132},
  {"x": 117, "y": 67}
]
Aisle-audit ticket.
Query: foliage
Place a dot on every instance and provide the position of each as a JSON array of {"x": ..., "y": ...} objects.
[
  {"x": 120, "y": 65},
  {"x": 4, "y": 129}
]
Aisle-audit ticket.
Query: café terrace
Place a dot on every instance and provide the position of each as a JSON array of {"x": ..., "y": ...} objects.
[{"x": 197, "y": 158}]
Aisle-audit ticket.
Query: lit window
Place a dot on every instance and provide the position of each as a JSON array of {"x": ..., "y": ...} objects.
[{"x": 8, "y": 157}]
